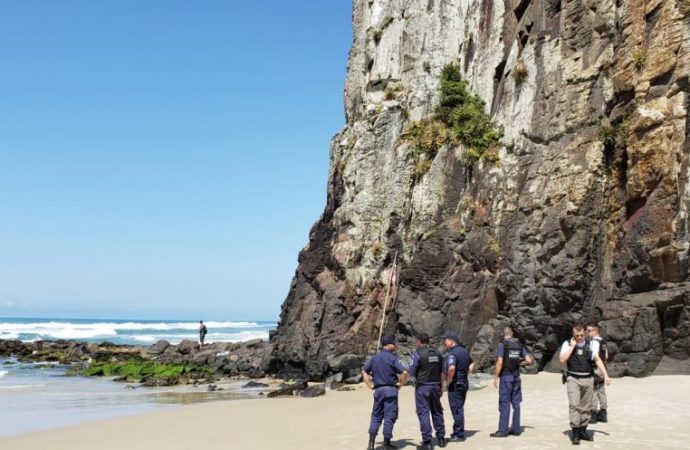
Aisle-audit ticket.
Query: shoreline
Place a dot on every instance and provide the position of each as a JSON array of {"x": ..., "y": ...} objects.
[{"x": 644, "y": 413}]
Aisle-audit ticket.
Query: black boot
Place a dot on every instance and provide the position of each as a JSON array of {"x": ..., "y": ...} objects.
[
  {"x": 387, "y": 445},
  {"x": 594, "y": 416},
  {"x": 575, "y": 437},
  {"x": 584, "y": 435},
  {"x": 372, "y": 442},
  {"x": 442, "y": 442},
  {"x": 603, "y": 417},
  {"x": 426, "y": 445}
]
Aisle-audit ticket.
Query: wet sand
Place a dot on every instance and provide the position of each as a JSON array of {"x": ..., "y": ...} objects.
[{"x": 643, "y": 414}]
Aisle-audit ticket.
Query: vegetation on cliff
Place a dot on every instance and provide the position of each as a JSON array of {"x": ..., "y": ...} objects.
[{"x": 459, "y": 118}]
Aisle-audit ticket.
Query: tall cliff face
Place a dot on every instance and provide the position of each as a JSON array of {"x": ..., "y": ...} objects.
[{"x": 585, "y": 217}]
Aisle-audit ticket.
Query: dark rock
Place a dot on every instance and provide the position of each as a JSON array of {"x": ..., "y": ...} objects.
[
  {"x": 187, "y": 346},
  {"x": 354, "y": 380},
  {"x": 253, "y": 343},
  {"x": 159, "y": 347},
  {"x": 288, "y": 389},
  {"x": 314, "y": 391},
  {"x": 212, "y": 387},
  {"x": 254, "y": 384}
]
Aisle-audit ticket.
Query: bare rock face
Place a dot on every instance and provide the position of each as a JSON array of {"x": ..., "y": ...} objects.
[{"x": 584, "y": 218}]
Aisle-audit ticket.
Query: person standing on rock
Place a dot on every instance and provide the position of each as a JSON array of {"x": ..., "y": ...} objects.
[
  {"x": 385, "y": 375},
  {"x": 511, "y": 354},
  {"x": 427, "y": 368},
  {"x": 599, "y": 404},
  {"x": 203, "y": 331},
  {"x": 457, "y": 367},
  {"x": 580, "y": 355}
]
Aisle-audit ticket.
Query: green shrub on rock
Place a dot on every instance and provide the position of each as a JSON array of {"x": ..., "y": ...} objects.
[{"x": 459, "y": 118}]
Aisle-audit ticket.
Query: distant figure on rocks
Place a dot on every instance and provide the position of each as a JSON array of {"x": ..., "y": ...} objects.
[
  {"x": 380, "y": 374},
  {"x": 427, "y": 368},
  {"x": 599, "y": 404},
  {"x": 511, "y": 354},
  {"x": 458, "y": 366},
  {"x": 580, "y": 355},
  {"x": 203, "y": 331}
]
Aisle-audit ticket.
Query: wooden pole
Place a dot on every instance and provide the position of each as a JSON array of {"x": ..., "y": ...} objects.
[{"x": 385, "y": 303}]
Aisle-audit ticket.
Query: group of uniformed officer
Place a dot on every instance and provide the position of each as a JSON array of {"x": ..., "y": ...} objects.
[{"x": 385, "y": 375}]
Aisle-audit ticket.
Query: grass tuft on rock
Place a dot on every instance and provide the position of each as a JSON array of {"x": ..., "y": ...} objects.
[
  {"x": 520, "y": 73},
  {"x": 639, "y": 59}
]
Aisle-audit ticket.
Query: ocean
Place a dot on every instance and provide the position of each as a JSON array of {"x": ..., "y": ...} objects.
[
  {"x": 39, "y": 396},
  {"x": 139, "y": 332}
]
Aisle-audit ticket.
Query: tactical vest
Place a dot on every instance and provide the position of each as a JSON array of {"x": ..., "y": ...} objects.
[
  {"x": 580, "y": 363},
  {"x": 512, "y": 356},
  {"x": 430, "y": 366}
]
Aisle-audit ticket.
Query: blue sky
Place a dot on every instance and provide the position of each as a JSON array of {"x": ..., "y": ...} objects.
[{"x": 163, "y": 159}]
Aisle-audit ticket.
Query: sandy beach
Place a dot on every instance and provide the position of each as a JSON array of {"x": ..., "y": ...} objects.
[{"x": 644, "y": 413}]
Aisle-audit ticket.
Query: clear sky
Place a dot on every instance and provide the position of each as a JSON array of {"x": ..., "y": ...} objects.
[{"x": 163, "y": 158}]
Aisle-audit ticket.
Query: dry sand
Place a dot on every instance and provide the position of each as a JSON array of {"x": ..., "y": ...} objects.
[{"x": 649, "y": 413}]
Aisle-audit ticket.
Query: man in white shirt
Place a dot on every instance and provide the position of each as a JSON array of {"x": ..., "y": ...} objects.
[{"x": 580, "y": 357}]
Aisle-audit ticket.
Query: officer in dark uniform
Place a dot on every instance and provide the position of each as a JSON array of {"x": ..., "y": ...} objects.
[
  {"x": 511, "y": 354},
  {"x": 427, "y": 368},
  {"x": 580, "y": 356},
  {"x": 457, "y": 367},
  {"x": 380, "y": 373},
  {"x": 599, "y": 404}
]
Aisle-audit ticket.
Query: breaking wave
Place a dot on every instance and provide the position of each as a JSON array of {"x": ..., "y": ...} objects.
[{"x": 130, "y": 332}]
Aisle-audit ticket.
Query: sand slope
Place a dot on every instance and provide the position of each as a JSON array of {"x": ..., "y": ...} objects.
[{"x": 644, "y": 414}]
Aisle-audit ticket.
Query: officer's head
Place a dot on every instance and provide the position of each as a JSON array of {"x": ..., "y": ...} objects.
[
  {"x": 593, "y": 330},
  {"x": 388, "y": 342},
  {"x": 422, "y": 340},
  {"x": 579, "y": 333},
  {"x": 450, "y": 339},
  {"x": 508, "y": 332}
]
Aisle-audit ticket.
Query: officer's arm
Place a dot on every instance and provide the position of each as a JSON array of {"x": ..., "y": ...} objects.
[
  {"x": 607, "y": 356},
  {"x": 565, "y": 355},
  {"x": 472, "y": 366},
  {"x": 499, "y": 367},
  {"x": 528, "y": 361},
  {"x": 602, "y": 367},
  {"x": 403, "y": 379},
  {"x": 451, "y": 373},
  {"x": 367, "y": 380}
]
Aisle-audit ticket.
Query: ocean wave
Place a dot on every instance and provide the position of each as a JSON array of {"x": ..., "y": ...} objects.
[
  {"x": 3, "y": 373},
  {"x": 107, "y": 330}
]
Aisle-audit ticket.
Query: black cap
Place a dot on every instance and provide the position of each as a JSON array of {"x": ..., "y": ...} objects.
[
  {"x": 451, "y": 335},
  {"x": 423, "y": 338},
  {"x": 387, "y": 340}
]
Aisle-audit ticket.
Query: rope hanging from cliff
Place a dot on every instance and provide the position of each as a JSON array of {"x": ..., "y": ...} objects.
[{"x": 392, "y": 287}]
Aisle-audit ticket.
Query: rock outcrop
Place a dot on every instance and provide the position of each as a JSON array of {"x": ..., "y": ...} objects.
[
  {"x": 584, "y": 218},
  {"x": 186, "y": 362}
]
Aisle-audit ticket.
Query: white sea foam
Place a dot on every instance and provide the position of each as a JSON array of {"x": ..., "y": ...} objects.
[
  {"x": 132, "y": 332},
  {"x": 3, "y": 373},
  {"x": 138, "y": 331}
]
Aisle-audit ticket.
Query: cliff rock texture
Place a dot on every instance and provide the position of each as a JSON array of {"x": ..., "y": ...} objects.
[{"x": 584, "y": 217}]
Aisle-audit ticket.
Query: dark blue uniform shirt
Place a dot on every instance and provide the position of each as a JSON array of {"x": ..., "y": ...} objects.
[
  {"x": 384, "y": 367},
  {"x": 459, "y": 358}
]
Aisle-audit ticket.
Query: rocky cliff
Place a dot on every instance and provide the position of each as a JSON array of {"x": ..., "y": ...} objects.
[{"x": 584, "y": 216}]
